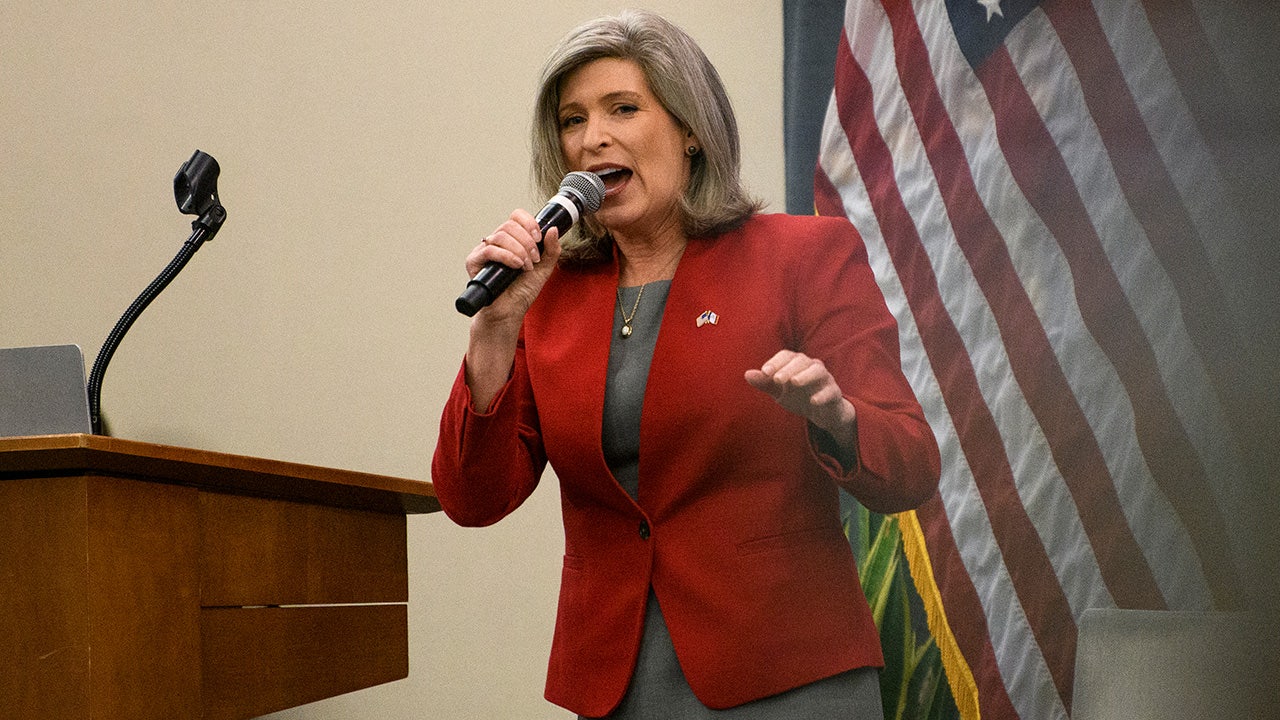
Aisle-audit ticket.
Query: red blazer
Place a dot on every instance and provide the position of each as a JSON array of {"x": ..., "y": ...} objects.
[{"x": 737, "y": 526}]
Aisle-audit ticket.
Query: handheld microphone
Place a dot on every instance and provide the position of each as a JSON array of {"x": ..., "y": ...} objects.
[{"x": 580, "y": 192}]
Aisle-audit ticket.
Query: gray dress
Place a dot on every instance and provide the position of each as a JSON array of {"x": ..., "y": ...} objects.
[{"x": 658, "y": 689}]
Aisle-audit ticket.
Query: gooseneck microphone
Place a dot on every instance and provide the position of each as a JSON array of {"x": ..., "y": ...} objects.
[
  {"x": 195, "y": 188},
  {"x": 580, "y": 192}
]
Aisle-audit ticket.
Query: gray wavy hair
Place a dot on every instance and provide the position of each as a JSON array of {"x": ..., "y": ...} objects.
[{"x": 687, "y": 85}]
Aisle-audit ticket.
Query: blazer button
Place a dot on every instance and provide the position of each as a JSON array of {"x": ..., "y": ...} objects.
[{"x": 644, "y": 529}]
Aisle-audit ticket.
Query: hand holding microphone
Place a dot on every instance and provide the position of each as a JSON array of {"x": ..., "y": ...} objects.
[{"x": 580, "y": 193}]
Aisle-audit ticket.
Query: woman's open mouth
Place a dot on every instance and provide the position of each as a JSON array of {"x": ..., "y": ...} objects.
[{"x": 613, "y": 178}]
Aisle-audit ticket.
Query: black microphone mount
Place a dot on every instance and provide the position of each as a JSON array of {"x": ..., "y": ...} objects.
[{"x": 195, "y": 188}]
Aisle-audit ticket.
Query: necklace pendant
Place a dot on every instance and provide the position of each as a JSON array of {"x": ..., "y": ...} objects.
[{"x": 626, "y": 319}]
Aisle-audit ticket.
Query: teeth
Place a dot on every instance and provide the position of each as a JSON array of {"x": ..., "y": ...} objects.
[{"x": 607, "y": 172}]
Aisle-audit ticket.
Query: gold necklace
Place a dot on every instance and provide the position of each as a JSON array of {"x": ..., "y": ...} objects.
[{"x": 626, "y": 319}]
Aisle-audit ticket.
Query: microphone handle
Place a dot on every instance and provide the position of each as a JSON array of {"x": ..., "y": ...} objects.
[{"x": 494, "y": 277}]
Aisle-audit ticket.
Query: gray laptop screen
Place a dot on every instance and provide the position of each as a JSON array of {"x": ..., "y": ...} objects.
[{"x": 42, "y": 391}]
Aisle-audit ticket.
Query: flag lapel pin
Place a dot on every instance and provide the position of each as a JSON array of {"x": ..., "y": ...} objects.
[{"x": 708, "y": 318}]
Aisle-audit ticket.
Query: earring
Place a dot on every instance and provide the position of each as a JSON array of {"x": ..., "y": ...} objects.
[{"x": 691, "y": 150}]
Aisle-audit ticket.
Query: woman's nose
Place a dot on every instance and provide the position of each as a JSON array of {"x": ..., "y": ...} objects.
[{"x": 595, "y": 135}]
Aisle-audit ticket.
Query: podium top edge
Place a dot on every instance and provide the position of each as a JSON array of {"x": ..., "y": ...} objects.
[{"x": 83, "y": 454}]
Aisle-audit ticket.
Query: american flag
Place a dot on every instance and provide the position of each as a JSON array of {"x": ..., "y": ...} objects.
[{"x": 1060, "y": 216}]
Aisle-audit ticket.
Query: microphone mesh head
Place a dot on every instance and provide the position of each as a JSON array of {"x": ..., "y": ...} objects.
[{"x": 587, "y": 186}]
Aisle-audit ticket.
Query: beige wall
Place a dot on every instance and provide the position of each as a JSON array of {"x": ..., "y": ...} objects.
[{"x": 364, "y": 148}]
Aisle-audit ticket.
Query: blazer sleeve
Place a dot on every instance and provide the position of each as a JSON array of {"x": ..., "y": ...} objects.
[
  {"x": 488, "y": 461},
  {"x": 843, "y": 320}
]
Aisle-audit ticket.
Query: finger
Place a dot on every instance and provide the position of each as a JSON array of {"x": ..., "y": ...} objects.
[
  {"x": 532, "y": 234},
  {"x": 524, "y": 219},
  {"x": 489, "y": 250},
  {"x": 758, "y": 380},
  {"x": 823, "y": 393},
  {"x": 766, "y": 384},
  {"x": 795, "y": 365},
  {"x": 810, "y": 374},
  {"x": 777, "y": 362},
  {"x": 767, "y": 379},
  {"x": 521, "y": 249},
  {"x": 550, "y": 248},
  {"x": 512, "y": 240}
]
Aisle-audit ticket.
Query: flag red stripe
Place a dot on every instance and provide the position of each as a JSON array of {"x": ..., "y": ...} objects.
[
  {"x": 1041, "y": 597},
  {"x": 1041, "y": 172},
  {"x": 1045, "y": 387},
  {"x": 1197, "y": 72},
  {"x": 964, "y": 610}
]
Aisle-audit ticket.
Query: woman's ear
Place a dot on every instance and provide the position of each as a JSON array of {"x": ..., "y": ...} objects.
[{"x": 691, "y": 145}]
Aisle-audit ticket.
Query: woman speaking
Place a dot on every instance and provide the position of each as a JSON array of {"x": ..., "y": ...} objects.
[{"x": 703, "y": 379}]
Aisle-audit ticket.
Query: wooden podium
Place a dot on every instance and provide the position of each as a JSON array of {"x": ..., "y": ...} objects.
[{"x": 146, "y": 581}]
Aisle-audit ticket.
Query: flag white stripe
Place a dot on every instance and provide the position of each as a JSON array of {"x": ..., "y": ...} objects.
[{"x": 1168, "y": 118}]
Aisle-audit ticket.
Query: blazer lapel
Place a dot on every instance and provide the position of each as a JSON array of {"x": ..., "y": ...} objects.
[{"x": 567, "y": 335}]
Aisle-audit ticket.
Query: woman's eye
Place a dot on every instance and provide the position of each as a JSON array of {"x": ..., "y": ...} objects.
[
  {"x": 570, "y": 121},
  {"x": 627, "y": 109}
]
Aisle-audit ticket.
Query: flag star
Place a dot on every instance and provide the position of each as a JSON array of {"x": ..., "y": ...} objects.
[{"x": 993, "y": 8}]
